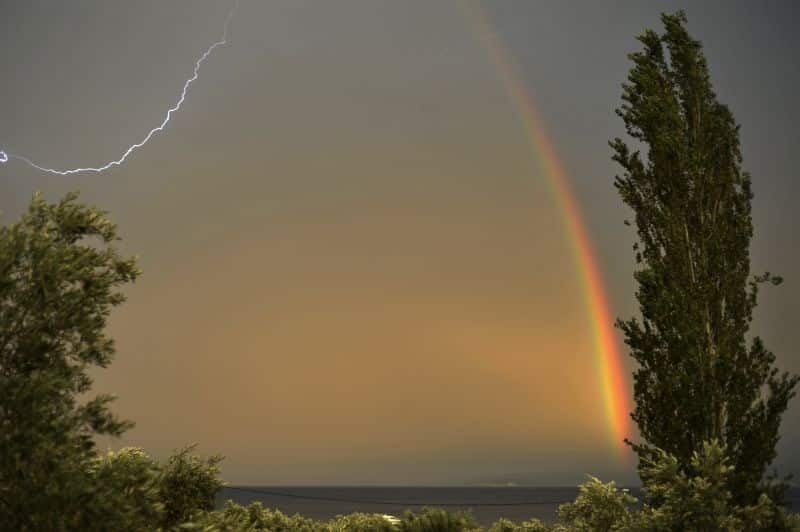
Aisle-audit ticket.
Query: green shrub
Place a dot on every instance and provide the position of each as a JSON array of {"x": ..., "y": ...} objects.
[
  {"x": 700, "y": 498},
  {"x": 255, "y": 518},
  {"x": 188, "y": 484},
  {"x": 437, "y": 520},
  {"x": 534, "y": 525},
  {"x": 358, "y": 522},
  {"x": 598, "y": 507},
  {"x": 506, "y": 525},
  {"x": 129, "y": 484},
  {"x": 235, "y": 518},
  {"x": 231, "y": 518},
  {"x": 138, "y": 493}
]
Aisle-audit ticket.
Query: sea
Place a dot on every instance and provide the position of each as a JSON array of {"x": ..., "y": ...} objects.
[{"x": 487, "y": 504}]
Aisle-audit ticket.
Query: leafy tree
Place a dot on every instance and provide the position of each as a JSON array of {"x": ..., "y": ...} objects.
[
  {"x": 698, "y": 379},
  {"x": 60, "y": 276}
]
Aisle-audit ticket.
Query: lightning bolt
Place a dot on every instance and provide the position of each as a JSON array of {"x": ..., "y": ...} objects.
[{"x": 5, "y": 156}]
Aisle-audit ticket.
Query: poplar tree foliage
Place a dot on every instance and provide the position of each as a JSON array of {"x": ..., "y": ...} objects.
[
  {"x": 698, "y": 378},
  {"x": 60, "y": 276}
]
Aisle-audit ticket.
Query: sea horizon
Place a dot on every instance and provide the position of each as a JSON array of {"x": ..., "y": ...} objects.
[{"x": 486, "y": 503}]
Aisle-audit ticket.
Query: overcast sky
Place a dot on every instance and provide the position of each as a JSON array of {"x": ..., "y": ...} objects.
[{"x": 353, "y": 269}]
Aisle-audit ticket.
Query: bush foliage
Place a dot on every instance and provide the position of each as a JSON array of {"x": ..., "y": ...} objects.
[{"x": 147, "y": 495}]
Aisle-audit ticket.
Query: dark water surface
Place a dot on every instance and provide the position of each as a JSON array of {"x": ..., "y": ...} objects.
[{"x": 486, "y": 503}]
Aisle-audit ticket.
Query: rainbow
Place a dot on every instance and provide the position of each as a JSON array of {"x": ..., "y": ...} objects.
[{"x": 613, "y": 383}]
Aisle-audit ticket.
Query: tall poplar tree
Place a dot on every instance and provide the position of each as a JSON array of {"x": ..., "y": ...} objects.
[{"x": 698, "y": 377}]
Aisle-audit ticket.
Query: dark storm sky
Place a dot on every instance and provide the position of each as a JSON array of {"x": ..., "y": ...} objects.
[{"x": 353, "y": 270}]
